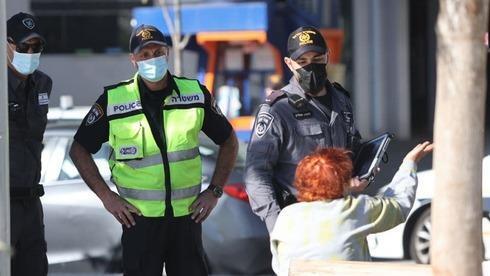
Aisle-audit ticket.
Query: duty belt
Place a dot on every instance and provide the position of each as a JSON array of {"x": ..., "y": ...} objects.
[{"x": 26, "y": 192}]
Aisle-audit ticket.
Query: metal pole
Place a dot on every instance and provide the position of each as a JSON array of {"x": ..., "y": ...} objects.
[
  {"x": 176, "y": 40},
  {"x": 174, "y": 29},
  {"x": 4, "y": 148}
]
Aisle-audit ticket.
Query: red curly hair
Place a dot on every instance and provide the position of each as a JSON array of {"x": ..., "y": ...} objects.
[{"x": 323, "y": 174}]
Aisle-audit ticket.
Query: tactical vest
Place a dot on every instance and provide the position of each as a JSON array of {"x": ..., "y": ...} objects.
[{"x": 139, "y": 168}]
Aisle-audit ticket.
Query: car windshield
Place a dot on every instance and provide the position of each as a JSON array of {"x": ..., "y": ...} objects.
[
  {"x": 69, "y": 171},
  {"x": 58, "y": 140},
  {"x": 208, "y": 148}
]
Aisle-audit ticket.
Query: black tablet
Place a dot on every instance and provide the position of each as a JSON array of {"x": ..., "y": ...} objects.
[{"x": 369, "y": 155}]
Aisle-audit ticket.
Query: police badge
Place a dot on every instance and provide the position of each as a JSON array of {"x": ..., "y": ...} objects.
[
  {"x": 264, "y": 122},
  {"x": 94, "y": 115},
  {"x": 29, "y": 23},
  {"x": 347, "y": 116},
  {"x": 215, "y": 107}
]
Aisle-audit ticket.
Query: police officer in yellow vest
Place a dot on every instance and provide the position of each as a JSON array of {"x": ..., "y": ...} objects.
[{"x": 152, "y": 122}]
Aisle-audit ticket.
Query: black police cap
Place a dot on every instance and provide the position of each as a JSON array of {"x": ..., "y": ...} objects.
[
  {"x": 22, "y": 27},
  {"x": 144, "y": 35},
  {"x": 305, "y": 39}
]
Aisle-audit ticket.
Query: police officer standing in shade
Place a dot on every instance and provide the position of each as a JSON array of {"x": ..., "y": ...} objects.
[
  {"x": 28, "y": 98},
  {"x": 308, "y": 113},
  {"x": 152, "y": 122}
]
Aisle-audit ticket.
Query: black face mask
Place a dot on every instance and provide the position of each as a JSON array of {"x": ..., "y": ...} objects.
[{"x": 312, "y": 77}]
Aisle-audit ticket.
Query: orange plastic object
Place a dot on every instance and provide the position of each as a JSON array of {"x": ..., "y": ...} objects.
[
  {"x": 242, "y": 123},
  {"x": 335, "y": 39},
  {"x": 259, "y": 36}
]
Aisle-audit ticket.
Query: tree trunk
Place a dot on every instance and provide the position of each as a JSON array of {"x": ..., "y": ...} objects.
[{"x": 456, "y": 247}]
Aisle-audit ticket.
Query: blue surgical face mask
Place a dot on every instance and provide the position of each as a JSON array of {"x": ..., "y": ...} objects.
[
  {"x": 153, "y": 69},
  {"x": 25, "y": 64}
]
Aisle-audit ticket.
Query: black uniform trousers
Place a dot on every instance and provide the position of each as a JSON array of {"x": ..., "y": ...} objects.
[
  {"x": 27, "y": 238},
  {"x": 175, "y": 241}
]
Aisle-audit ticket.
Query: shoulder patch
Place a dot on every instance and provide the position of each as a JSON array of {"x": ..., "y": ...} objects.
[
  {"x": 94, "y": 114},
  {"x": 274, "y": 97},
  {"x": 339, "y": 88},
  {"x": 264, "y": 122},
  {"x": 215, "y": 107},
  {"x": 43, "y": 98}
]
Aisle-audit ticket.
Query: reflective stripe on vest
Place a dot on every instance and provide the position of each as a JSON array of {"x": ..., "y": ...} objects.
[
  {"x": 156, "y": 159},
  {"x": 158, "y": 194}
]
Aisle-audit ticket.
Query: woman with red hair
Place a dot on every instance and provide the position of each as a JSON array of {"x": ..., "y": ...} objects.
[{"x": 331, "y": 224}]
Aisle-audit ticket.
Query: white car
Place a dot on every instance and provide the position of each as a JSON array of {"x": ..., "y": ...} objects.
[{"x": 412, "y": 238}]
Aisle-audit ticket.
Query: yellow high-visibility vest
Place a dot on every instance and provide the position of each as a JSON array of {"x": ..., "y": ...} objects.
[{"x": 137, "y": 165}]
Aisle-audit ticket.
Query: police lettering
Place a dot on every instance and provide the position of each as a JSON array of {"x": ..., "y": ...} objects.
[
  {"x": 128, "y": 151},
  {"x": 127, "y": 107},
  {"x": 185, "y": 98}
]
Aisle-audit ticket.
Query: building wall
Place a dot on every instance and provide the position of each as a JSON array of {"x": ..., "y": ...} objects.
[
  {"x": 16, "y": 6},
  {"x": 84, "y": 76},
  {"x": 381, "y": 67}
]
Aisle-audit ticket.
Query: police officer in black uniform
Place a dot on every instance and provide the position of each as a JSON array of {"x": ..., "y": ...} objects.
[
  {"x": 28, "y": 98},
  {"x": 308, "y": 113}
]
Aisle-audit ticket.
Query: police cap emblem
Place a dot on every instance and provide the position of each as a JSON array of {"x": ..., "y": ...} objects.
[
  {"x": 29, "y": 23},
  {"x": 305, "y": 37},
  {"x": 145, "y": 34}
]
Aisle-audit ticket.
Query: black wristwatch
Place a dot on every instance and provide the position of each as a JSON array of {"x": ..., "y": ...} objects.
[{"x": 217, "y": 191}]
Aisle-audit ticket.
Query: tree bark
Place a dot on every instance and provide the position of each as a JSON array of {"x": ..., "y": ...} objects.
[{"x": 456, "y": 246}]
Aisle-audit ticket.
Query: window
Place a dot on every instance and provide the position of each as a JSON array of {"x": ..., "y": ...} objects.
[
  {"x": 86, "y": 26},
  {"x": 69, "y": 171}
]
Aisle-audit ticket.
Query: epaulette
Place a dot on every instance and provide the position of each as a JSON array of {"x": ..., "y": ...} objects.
[
  {"x": 181, "y": 77},
  {"x": 109, "y": 87},
  {"x": 38, "y": 75},
  {"x": 274, "y": 96},
  {"x": 341, "y": 89}
]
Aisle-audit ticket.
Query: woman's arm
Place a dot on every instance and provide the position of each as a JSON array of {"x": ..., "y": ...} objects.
[{"x": 394, "y": 204}]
